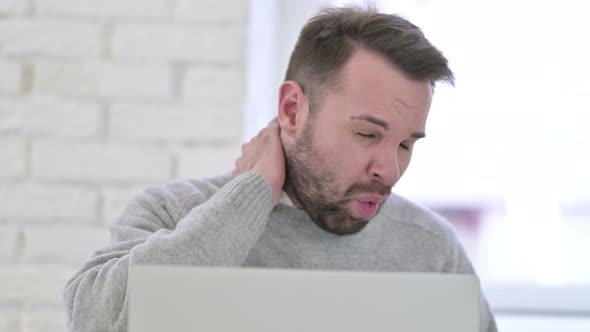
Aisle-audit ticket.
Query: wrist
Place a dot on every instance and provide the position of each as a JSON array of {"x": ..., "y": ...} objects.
[{"x": 274, "y": 185}]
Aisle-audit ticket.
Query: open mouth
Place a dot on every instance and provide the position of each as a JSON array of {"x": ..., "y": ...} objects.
[{"x": 366, "y": 209}]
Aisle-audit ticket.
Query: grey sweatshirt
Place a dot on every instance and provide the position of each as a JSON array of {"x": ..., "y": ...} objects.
[{"x": 228, "y": 221}]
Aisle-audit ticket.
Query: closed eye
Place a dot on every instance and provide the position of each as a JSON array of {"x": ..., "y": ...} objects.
[{"x": 366, "y": 136}]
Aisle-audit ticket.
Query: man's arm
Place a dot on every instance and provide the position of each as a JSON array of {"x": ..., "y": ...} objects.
[
  {"x": 156, "y": 228},
  {"x": 220, "y": 232}
]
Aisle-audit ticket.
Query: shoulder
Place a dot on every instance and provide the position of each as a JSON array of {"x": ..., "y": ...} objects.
[
  {"x": 182, "y": 192},
  {"x": 419, "y": 239},
  {"x": 167, "y": 202}
]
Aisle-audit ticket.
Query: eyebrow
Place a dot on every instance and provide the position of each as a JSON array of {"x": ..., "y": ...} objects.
[
  {"x": 372, "y": 120},
  {"x": 383, "y": 124}
]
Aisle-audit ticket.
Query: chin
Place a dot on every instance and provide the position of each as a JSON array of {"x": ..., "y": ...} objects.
[{"x": 349, "y": 226}]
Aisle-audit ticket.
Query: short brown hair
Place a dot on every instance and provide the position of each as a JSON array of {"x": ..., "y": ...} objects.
[{"x": 328, "y": 39}]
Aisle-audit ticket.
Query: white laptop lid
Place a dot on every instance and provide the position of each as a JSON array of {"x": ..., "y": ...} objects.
[{"x": 186, "y": 298}]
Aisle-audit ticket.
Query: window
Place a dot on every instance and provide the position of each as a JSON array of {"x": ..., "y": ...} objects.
[{"x": 507, "y": 153}]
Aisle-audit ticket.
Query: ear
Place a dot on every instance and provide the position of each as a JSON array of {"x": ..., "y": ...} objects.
[{"x": 292, "y": 107}]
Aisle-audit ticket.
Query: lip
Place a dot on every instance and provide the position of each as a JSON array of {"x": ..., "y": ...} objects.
[
  {"x": 370, "y": 198},
  {"x": 366, "y": 206}
]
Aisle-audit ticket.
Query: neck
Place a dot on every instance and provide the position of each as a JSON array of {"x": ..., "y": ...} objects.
[{"x": 288, "y": 189}]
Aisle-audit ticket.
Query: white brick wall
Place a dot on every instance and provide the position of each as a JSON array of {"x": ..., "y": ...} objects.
[
  {"x": 207, "y": 43},
  {"x": 105, "y": 8},
  {"x": 98, "y": 100},
  {"x": 221, "y": 82},
  {"x": 10, "y": 320},
  {"x": 13, "y": 7},
  {"x": 10, "y": 121},
  {"x": 191, "y": 123},
  {"x": 54, "y": 243},
  {"x": 217, "y": 11},
  {"x": 44, "y": 320},
  {"x": 33, "y": 201},
  {"x": 103, "y": 79},
  {"x": 10, "y": 77},
  {"x": 9, "y": 244},
  {"x": 13, "y": 157},
  {"x": 31, "y": 286},
  {"x": 195, "y": 160},
  {"x": 95, "y": 163},
  {"x": 49, "y": 37},
  {"x": 60, "y": 118}
]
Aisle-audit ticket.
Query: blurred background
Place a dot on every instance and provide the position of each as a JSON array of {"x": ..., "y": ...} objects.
[{"x": 101, "y": 98}]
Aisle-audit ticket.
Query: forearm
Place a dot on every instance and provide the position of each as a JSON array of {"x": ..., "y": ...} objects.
[{"x": 221, "y": 231}]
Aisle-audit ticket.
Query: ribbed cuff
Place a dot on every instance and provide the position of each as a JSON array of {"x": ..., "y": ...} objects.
[{"x": 248, "y": 193}]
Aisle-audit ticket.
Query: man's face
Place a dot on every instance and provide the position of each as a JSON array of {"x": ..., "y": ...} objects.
[{"x": 355, "y": 147}]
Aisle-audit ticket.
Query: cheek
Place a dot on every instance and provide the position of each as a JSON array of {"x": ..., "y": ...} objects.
[
  {"x": 404, "y": 162},
  {"x": 343, "y": 156},
  {"x": 347, "y": 162}
]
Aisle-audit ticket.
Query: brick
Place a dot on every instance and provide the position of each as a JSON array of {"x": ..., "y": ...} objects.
[
  {"x": 97, "y": 163},
  {"x": 206, "y": 82},
  {"x": 206, "y": 161},
  {"x": 44, "y": 320},
  {"x": 169, "y": 42},
  {"x": 13, "y": 157},
  {"x": 175, "y": 122},
  {"x": 9, "y": 244},
  {"x": 24, "y": 37},
  {"x": 13, "y": 7},
  {"x": 59, "y": 118},
  {"x": 105, "y": 8},
  {"x": 99, "y": 79},
  {"x": 10, "y": 320},
  {"x": 47, "y": 202},
  {"x": 68, "y": 244},
  {"x": 216, "y": 11},
  {"x": 114, "y": 201},
  {"x": 11, "y": 76},
  {"x": 33, "y": 285},
  {"x": 10, "y": 119}
]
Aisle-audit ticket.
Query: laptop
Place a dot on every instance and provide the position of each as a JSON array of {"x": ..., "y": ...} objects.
[{"x": 212, "y": 299}]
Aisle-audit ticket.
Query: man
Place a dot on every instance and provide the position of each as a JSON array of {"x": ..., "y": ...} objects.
[{"x": 313, "y": 189}]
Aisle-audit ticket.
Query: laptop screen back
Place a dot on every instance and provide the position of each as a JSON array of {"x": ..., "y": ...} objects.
[{"x": 183, "y": 298}]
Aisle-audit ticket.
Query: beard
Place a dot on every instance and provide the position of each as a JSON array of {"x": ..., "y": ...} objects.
[{"x": 313, "y": 183}]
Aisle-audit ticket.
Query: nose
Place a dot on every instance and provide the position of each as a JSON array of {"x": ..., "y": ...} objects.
[{"x": 385, "y": 168}]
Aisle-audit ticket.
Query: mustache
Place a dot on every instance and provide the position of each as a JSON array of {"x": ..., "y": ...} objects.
[{"x": 374, "y": 187}]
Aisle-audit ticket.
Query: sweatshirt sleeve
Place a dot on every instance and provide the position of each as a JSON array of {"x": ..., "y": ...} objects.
[
  {"x": 458, "y": 262},
  {"x": 156, "y": 228}
]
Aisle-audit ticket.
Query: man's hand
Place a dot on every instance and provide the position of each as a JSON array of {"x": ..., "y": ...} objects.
[{"x": 264, "y": 155}]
